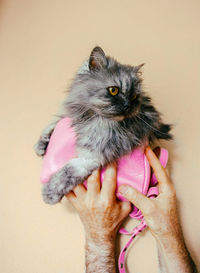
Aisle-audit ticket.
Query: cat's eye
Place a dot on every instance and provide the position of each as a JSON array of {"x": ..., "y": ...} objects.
[
  {"x": 113, "y": 90},
  {"x": 134, "y": 97}
]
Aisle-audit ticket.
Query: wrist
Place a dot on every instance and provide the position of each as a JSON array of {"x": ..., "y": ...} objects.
[
  {"x": 100, "y": 246},
  {"x": 101, "y": 238},
  {"x": 171, "y": 240}
]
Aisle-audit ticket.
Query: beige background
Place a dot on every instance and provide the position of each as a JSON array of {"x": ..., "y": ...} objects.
[{"x": 42, "y": 42}]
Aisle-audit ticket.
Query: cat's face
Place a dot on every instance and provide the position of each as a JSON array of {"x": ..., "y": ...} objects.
[{"x": 108, "y": 88}]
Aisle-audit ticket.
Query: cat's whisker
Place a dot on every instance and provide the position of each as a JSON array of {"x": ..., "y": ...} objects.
[{"x": 153, "y": 128}]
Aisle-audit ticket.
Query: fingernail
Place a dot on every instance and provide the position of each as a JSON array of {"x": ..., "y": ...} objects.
[
  {"x": 123, "y": 189},
  {"x": 113, "y": 165}
]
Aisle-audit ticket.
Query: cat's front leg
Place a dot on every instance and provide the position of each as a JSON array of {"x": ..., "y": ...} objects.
[
  {"x": 72, "y": 174},
  {"x": 41, "y": 145}
]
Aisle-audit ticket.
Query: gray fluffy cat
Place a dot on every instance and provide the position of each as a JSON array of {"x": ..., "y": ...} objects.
[{"x": 111, "y": 116}]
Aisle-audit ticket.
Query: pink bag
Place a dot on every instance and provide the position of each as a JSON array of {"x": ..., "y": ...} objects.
[{"x": 133, "y": 170}]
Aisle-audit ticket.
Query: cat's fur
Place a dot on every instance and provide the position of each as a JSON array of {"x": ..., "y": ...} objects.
[{"x": 107, "y": 126}]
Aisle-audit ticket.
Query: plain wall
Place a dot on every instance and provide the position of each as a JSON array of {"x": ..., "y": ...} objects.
[{"x": 42, "y": 43}]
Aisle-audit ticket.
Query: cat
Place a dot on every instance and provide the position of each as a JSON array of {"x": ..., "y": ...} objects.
[{"x": 111, "y": 116}]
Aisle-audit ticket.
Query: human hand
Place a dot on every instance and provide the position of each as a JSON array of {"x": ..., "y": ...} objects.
[
  {"x": 101, "y": 215},
  {"x": 100, "y": 212},
  {"x": 160, "y": 213}
]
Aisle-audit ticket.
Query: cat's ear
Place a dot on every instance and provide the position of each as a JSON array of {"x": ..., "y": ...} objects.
[
  {"x": 137, "y": 68},
  {"x": 97, "y": 59}
]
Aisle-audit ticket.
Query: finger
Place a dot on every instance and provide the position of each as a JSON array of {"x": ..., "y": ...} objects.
[
  {"x": 160, "y": 173},
  {"x": 126, "y": 208},
  {"x": 93, "y": 183},
  {"x": 79, "y": 191},
  {"x": 71, "y": 197},
  {"x": 167, "y": 171},
  {"x": 135, "y": 197},
  {"x": 110, "y": 181}
]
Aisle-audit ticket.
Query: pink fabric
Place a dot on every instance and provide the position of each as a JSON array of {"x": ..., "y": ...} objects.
[
  {"x": 133, "y": 169},
  {"x": 61, "y": 149}
]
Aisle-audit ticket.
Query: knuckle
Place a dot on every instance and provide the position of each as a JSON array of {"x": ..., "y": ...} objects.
[
  {"x": 92, "y": 179},
  {"x": 105, "y": 203},
  {"x": 133, "y": 194},
  {"x": 108, "y": 180}
]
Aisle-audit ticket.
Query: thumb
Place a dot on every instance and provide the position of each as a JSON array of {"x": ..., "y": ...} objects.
[{"x": 135, "y": 197}]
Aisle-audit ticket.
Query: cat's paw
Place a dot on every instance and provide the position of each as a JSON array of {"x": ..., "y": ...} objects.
[
  {"x": 40, "y": 147},
  {"x": 60, "y": 184},
  {"x": 51, "y": 196}
]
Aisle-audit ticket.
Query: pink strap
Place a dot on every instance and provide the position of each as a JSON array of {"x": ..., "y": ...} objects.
[
  {"x": 152, "y": 193},
  {"x": 135, "y": 232}
]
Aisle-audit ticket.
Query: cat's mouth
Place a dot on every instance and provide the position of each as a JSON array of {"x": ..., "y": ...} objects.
[
  {"x": 118, "y": 118},
  {"x": 121, "y": 116},
  {"x": 113, "y": 116},
  {"x": 118, "y": 115},
  {"x": 124, "y": 115}
]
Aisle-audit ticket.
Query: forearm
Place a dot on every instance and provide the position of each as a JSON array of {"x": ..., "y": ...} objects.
[
  {"x": 161, "y": 261},
  {"x": 100, "y": 256},
  {"x": 173, "y": 255}
]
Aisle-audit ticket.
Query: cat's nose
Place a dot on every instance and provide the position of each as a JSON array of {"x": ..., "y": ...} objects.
[{"x": 126, "y": 106}]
